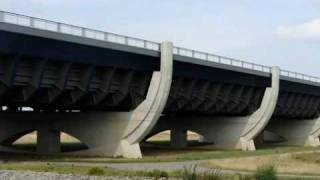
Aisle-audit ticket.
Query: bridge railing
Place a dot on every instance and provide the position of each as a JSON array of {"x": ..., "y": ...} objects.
[
  {"x": 300, "y": 76},
  {"x": 48, "y": 25},
  {"x": 220, "y": 59}
]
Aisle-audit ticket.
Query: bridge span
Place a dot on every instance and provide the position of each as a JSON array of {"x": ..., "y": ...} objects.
[{"x": 112, "y": 92}]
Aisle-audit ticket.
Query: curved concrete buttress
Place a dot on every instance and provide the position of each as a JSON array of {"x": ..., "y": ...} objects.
[
  {"x": 313, "y": 139},
  {"x": 228, "y": 132},
  {"x": 259, "y": 119},
  {"x": 147, "y": 114}
]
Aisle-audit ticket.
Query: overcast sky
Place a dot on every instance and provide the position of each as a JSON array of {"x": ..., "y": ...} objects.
[{"x": 274, "y": 32}]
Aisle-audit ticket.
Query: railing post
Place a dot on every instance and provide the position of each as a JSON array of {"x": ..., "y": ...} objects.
[
  {"x": 31, "y": 22},
  {"x": 59, "y": 27},
  {"x": 126, "y": 40},
  {"x": 106, "y": 37},
  {"x": 145, "y": 44},
  {"x": 83, "y": 32},
  {"x": 1, "y": 16}
]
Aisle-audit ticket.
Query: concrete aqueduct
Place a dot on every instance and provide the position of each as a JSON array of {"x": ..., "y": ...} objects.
[{"x": 112, "y": 92}]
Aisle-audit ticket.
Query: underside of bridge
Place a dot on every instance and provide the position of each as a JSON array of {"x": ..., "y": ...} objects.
[
  {"x": 112, "y": 100},
  {"x": 296, "y": 117}
]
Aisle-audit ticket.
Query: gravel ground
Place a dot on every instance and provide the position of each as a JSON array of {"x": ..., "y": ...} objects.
[{"x": 28, "y": 175}]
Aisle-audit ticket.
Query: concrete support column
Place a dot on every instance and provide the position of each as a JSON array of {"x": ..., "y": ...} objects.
[
  {"x": 146, "y": 115},
  {"x": 259, "y": 119},
  {"x": 48, "y": 141},
  {"x": 229, "y": 132},
  {"x": 178, "y": 138}
]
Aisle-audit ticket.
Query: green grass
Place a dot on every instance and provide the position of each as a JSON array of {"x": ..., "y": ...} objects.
[
  {"x": 106, "y": 171},
  {"x": 84, "y": 170},
  {"x": 96, "y": 171},
  {"x": 163, "y": 155},
  {"x": 308, "y": 158},
  {"x": 266, "y": 173}
]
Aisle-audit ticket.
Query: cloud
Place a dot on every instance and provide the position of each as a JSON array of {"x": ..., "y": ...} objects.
[{"x": 307, "y": 31}]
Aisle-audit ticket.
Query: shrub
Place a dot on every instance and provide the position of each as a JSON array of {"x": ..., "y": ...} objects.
[
  {"x": 241, "y": 177},
  {"x": 192, "y": 174},
  {"x": 211, "y": 175},
  {"x": 156, "y": 174},
  {"x": 96, "y": 171},
  {"x": 189, "y": 173},
  {"x": 266, "y": 173}
]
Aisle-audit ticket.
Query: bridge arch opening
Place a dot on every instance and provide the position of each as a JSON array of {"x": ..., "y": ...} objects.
[
  {"x": 165, "y": 138},
  {"x": 27, "y": 141},
  {"x": 24, "y": 141},
  {"x": 70, "y": 143},
  {"x": 270, "y": 137}
]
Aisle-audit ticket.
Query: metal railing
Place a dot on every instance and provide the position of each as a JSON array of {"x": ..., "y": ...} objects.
[
  {"x": 300, "y": 76},
  {"x": 220, "y": 59},
  {"x": 48, "y": 25}
]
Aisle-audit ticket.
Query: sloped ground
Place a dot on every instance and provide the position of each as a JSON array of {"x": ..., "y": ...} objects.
[{"x": 307, "y": 163}]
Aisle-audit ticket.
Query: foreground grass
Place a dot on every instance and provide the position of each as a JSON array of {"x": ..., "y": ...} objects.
[
  {"x": 163, "y": 155},
  {"x": 290, "y": 163},
  {"x": 196, "y": 151},
  {"x": 83, "y": 170},
  {"x": 185, "y": 174}
]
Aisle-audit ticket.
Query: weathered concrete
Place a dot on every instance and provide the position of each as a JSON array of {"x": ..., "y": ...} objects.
[
  {"x": 228, "y": 132},
  {"x": 178, "y": 138},
  {"x": 104, "y": 133},
  {"x": 259, "y": 119},
  {"x": 302, "y": 132},
  {"x": 146, "y": 115},
  {"x": 101, "y": 132},
  {"x": 48, "y": 140}
]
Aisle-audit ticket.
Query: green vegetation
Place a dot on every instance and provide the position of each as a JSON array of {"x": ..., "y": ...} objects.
[
  {"x": 163, "y": 155},
  {"x": 308, "y": 157},
  {"x": 192, "y": 174},
  {"x": 156, "y": 174},
  {"x": 96, "y": 171},
  {"x": 266, "y": 173},
  {"x": 84, "y": 170}
]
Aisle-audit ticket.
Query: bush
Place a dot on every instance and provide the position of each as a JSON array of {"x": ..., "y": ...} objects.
[
  {"x": 211, "y": 175},
  {"x": 96, "y": 171},
  {"x": 192, "y": 174},
  {"x": 189, "y": 173},
  {"x": 156, "y": 174},
  {"x": 266, "y": 173}
]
